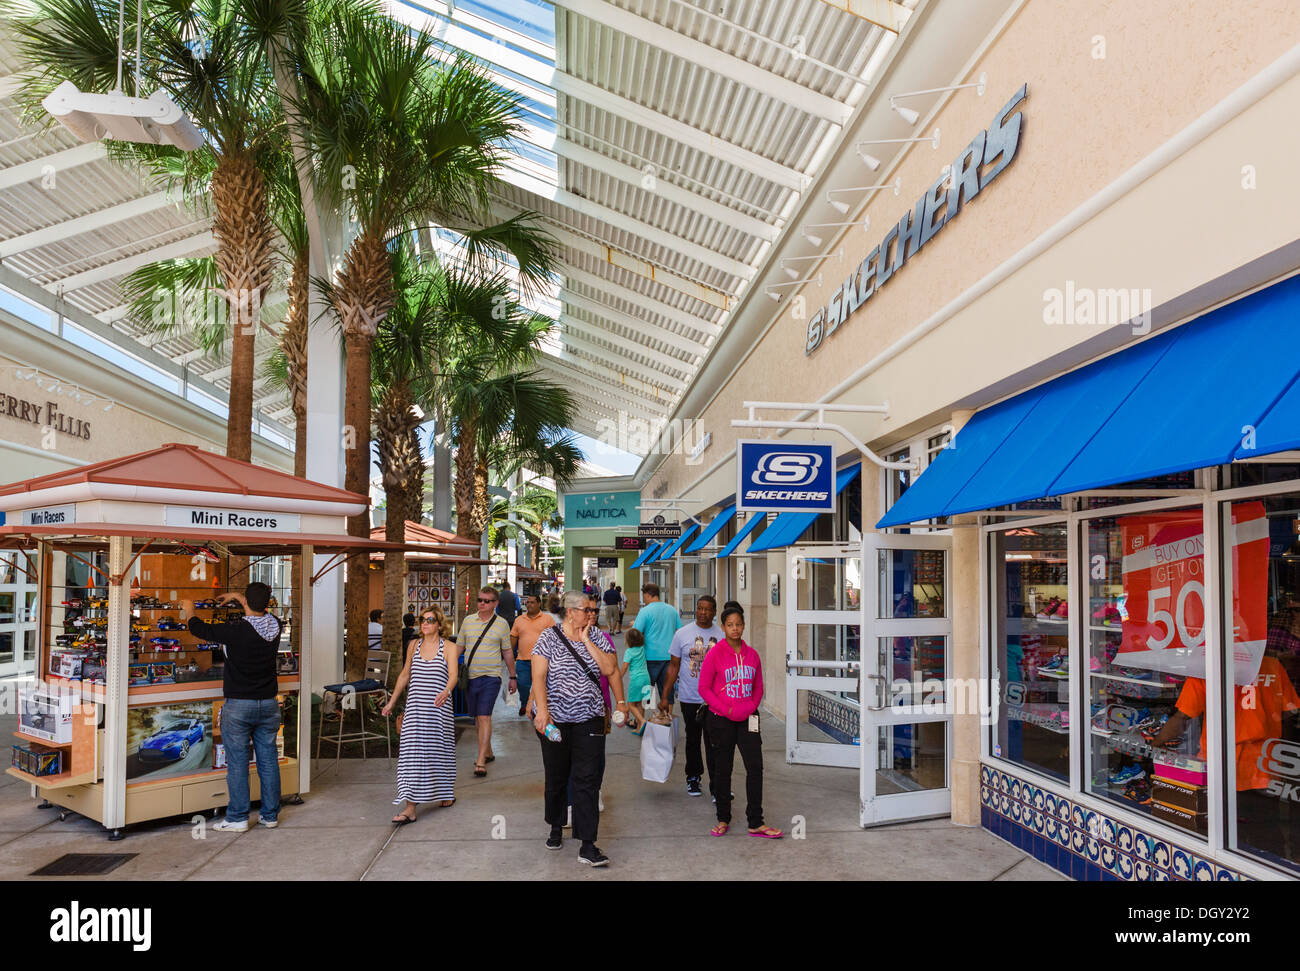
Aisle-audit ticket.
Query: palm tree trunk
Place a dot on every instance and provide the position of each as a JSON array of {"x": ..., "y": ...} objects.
[
  {"x": 363, "y": 296},
  {"x": 245, "y": 255},
  {"x": 401, "y": 471},
  {"x": 463, "y": 492},
  {"x": 294, "y": 342}
]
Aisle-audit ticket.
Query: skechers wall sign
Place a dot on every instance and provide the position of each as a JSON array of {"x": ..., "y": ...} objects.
[
  {"x": 781, "y": 476},
  {"x": 979, "y": 163},
  {"x": 597, "y": 509}
]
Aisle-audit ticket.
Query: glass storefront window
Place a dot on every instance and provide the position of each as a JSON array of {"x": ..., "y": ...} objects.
[
  {"x": 1030, "y": 613},
  {"x": 1261, "y": 580},
  {"x": 1145, "y": 650},
  {"x": 911, "y": 583}
]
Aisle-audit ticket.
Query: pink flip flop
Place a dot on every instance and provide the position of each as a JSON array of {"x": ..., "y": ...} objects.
[{"x": 767, "y": 833}]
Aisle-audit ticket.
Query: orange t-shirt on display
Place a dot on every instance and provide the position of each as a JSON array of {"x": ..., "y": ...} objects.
[
  {"x": 1274, "y": 695},
  {"x": 528, "y": 630}
]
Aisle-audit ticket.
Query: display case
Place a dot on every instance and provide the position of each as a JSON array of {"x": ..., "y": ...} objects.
[{"x": 129, "y": 700}]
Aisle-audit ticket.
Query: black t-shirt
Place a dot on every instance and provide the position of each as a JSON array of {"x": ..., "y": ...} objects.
[
  {"x": 250, "y": 654},
  {"x": 611, "y": 597}
]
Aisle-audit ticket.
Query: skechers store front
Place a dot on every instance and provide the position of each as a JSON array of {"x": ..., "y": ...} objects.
[{"x": 1092, "y": 364}]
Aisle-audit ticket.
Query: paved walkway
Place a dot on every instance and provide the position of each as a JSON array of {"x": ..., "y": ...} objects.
[{"x": 495, "y": 831}]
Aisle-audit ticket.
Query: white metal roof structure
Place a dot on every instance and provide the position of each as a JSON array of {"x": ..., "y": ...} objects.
[{"x": 669, "y": 149}]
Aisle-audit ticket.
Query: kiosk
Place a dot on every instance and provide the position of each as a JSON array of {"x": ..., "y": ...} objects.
[{"x": 123, "y": 724}]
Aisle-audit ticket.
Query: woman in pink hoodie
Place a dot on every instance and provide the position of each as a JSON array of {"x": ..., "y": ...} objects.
[{"x": 731, "y": 684}]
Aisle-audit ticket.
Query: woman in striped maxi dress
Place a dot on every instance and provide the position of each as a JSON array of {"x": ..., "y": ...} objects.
[{"x": 426, "y": 762}]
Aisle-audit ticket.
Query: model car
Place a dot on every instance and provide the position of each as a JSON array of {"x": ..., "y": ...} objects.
[{"x": 172, "y": 743}]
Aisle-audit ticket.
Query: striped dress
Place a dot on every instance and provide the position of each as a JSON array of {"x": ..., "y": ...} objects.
[{"x": 426, "y": 761}]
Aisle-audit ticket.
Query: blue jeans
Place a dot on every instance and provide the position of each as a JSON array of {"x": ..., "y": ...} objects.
[
  {"x": 524, "y": 676},
  {"x": 242, "y": 719}
]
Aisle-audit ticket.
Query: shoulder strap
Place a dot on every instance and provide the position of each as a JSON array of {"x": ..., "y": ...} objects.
[
  {"x": 585, "y": 670},
  {"x": 481, "y": 634}
]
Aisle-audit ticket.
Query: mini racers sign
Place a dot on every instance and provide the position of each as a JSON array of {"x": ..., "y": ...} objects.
[{"x": 1163, "y": 627}]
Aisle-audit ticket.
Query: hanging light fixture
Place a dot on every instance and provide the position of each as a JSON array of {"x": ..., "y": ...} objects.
[
  {"x": 873, "y": 163},
  {"x": 911, "y": 117},
  {"x": 896, "y": 185}
]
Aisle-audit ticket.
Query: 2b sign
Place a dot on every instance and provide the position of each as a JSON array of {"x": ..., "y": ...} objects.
[{"x": 785, "y": 477}]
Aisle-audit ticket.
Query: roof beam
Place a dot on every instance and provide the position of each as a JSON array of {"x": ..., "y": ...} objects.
[
  {"x": 686, "y": 198},
  {"x": 549, "y": 76},
  {"x": 629, "y": 224},
  {"x": 59, "y": 161},
  {"x": 883, "y": 13},
  {"x": 182, "y": 247},
  {"x": 588, "y": 330},
  {"x": 615, "y": 289},
  {"x": 502, "y": 211},
  {"x": 611, "y": 358},
  {"x": 567, "y": 370},
  {"x": 711, "y": 59},
  {"x": 635, "y": 324},
  {"x": 84, "y": 224}
]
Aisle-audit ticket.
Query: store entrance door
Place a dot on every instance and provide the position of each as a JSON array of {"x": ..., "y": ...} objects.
[
  {"x": 692, "y": 583},
  {"x": 906, "y": 679},
  {"x": 823, "y": 642}
]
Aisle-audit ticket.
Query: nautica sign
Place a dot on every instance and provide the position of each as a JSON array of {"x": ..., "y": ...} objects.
[{"x": 980, "y": 163}]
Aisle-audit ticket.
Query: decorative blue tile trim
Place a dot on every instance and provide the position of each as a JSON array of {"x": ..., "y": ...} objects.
[{"x": 1083, "y": 843}]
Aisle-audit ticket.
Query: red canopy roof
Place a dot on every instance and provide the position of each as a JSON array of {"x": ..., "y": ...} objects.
[
  {"x": 189, "y": 467},
  {"x": 417, "y": 534}
]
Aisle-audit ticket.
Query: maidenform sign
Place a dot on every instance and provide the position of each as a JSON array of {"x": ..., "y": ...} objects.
[
  {"x": 583, "y": 510},
  {"x": 781, "y": 476},
  {"x": 217, "y": 517},
  {"x": 50, "y": 516},
  {"x": 1162, "y": 613},
  {"x": 979, "y": 163},
  {"x": 659, "y": 528}
]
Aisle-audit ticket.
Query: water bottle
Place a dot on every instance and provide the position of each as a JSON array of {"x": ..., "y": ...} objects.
[{"x": 552, "y": 733}]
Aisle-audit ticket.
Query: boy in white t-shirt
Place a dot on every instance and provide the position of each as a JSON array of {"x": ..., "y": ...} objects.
[{"x": 685, "y": 658}]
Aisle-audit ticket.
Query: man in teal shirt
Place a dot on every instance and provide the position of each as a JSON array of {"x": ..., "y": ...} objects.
[{"x": 658, "y": 621}]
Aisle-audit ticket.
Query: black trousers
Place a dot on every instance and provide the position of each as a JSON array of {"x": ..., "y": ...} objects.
[
  {"x": 577, "y": 760},
  {"x": 725, "y": 736},
  {"x": 696, "y": 733}
]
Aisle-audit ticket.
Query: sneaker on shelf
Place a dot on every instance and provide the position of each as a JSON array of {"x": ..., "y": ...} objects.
[
  {"x": 1138, "y": 791},
  {"x": 1095, "y": 664},
  {"x": 590, "y": 854},
  {"x": 1063, "y": 610},
  {"x": 1126, "y": 774},
  {"x": 693, "y": 786}
]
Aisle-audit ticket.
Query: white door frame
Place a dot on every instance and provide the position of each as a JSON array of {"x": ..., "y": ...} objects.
[
  {"x": 880, "y": 708},
  {"x": 797, "y": 676}
]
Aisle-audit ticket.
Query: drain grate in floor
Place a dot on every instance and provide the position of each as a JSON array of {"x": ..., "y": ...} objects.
[{"x": 83, "y": 865}]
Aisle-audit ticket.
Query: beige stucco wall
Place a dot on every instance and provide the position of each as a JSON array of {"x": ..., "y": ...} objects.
[{"x": 1086, "y": 121}]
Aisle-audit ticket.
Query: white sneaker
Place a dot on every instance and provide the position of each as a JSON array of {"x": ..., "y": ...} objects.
[
  {"x": 225, "y": 826},
  {"x": 600, "y": 800},
  {"x": 268, "y": 823}
]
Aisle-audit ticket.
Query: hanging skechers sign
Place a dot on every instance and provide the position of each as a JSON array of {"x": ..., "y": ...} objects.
[
  {"x": 979, "y": 163},
  {"x": 779, "y": 476}
]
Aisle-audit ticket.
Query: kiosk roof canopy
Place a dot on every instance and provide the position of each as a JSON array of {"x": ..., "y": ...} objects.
[{"x": 187, "y": 467}]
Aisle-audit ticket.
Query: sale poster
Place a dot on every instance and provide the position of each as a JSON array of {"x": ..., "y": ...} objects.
[{"x": 1164, "y": 592}]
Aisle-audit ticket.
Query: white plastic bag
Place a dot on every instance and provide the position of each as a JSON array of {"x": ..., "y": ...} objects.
[{"x": 656, "y": 752}]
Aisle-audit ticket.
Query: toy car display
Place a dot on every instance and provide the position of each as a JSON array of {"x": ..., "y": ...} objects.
[{"x": 173, "y": 742}]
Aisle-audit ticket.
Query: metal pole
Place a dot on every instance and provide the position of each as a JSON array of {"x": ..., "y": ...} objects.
[{"x": 115, "y": 686}]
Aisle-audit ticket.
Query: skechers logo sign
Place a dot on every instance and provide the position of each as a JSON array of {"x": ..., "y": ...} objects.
[
  {"x": 1281, "y": 758},
  {"x": 102, "y": 925},
  {"x": 786, "y": 469},
  {"x": 979, "y": 163}
]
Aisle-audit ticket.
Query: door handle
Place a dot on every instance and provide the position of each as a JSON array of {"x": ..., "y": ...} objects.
[{"x": 881, "y": 679}]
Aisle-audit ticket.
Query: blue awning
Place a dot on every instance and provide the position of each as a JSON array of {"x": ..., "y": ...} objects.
[
  {"x": 789, "y": 526},
  {"x": 645, "y": 555},
  {"x": 671, "y": 549},
  {"x": 712, "y": 530},
  {"x": 1183, "y": 400},
  {"x": 750, "y": 525}
]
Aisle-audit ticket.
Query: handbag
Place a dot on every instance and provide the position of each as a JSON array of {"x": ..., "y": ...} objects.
[{"x": 594, "y": 679}]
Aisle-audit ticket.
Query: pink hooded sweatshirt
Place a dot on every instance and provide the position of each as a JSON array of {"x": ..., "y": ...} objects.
[{"x": 733, "y": 691}]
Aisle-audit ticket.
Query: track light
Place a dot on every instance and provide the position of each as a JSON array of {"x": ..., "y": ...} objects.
[
  {"x": 793, "y": 274},
  {"x": 815, "y": 240},
  {"x": 154, "y": 120},
  {"x": 896, "y": 185},
  {"x": 776, "y": 297},
  {"x": 907, "y": 114},
  {"x": 865, "y": 221},
  {"x": 873, "y": 163}
]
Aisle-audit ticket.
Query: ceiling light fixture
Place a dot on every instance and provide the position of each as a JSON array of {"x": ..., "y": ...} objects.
[
  {"x": 896, "y": 185},
  {"x": 793, "y": 274}
]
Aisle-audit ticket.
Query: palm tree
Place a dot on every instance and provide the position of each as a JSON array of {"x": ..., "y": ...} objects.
[
  {"x": 195, "y": 52},
  {"x": 396, "y": 138}
]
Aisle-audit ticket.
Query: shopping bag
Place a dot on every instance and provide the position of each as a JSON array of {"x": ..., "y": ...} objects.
[{"x": 656, "y": 752}]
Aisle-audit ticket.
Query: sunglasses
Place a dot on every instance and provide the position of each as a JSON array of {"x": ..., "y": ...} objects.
[
  {"x": 487, "y": 600},
  {"x": 428, "y": 620}
]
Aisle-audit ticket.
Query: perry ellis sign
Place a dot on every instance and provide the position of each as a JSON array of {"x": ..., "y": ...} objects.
[{"x": 979, "y": 163}]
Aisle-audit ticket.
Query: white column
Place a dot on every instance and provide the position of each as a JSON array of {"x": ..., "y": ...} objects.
[
  {"x": 115, "y": 687},
  {"x": 306, "y": 613}
]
